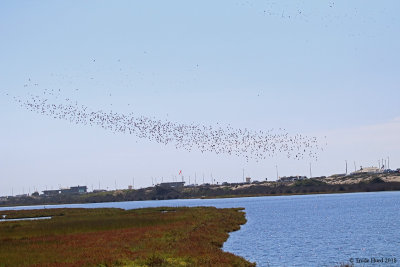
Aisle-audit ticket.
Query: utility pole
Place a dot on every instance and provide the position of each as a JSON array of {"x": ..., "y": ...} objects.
[
  {"x": 243, "y": 175},
  {"x": 133, "y": 182},
  {"x": 346, "y": 166},
  {"x": 388, "y": 164},
  {"x": 310, "y": 171},
  {"x": 277, "y": 174}
]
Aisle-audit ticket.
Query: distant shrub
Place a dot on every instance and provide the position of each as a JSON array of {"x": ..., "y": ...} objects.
[
  {"x": 309, "y": 182},
  {"x": 376, "y": 180}
]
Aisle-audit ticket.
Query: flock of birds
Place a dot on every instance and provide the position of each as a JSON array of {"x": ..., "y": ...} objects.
[
  {"x": 287, "y": 10},
  {"x": 245, "y": 143}
]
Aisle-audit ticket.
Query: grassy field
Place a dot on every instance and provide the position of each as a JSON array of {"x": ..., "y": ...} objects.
[{"x": 115, "y": 237}]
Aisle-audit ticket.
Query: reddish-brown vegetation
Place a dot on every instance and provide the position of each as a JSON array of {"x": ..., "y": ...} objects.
[{"x": 114, "y": 237}]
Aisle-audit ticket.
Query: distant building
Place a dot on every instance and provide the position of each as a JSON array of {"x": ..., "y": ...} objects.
[
  {"x": 292, "y": 178},
  {"x": 65, "y": 191},
  {"x": 368, "y": 170},
  {"x": 51, "y": 192},
  {"x": 130, "y": 187},
  {"x": 248, "y": 180},
  {"x": 173, "y": 184},
  {"x": 74, "y": 190},
  {"x": 3, "y": 198},
  {"x": 99, "y": 190}
]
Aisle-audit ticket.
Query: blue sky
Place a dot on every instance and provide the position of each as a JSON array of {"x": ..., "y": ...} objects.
[{"x": 321, "y": 68}]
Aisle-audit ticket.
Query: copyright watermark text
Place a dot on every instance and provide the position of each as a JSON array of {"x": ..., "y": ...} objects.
[{"x": 373, "y": 260}]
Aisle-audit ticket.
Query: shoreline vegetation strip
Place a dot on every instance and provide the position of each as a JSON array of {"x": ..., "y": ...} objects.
[
  {"x": 367, "y": 183},
  {"x": 115, "y": 237}
]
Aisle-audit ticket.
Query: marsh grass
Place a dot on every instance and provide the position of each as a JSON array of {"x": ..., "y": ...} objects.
[{"x": 115, "y": 237}]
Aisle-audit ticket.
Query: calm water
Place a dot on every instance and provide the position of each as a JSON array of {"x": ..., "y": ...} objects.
[
  {"x": 25, "y": 219},
  {"x": 311, "y": 230}
]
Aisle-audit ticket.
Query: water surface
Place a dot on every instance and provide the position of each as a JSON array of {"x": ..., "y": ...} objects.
[
  {"x": 25, "y": 219},
  {"x": 308, "y": 230}
]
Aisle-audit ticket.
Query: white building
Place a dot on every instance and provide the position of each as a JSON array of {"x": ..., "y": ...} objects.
[{"x": 369, "y": 170}]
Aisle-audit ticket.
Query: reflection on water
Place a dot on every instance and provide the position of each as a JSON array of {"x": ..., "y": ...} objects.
[
  {"x": 24, "y": 219},
  {"x": 309, "y": 230}
]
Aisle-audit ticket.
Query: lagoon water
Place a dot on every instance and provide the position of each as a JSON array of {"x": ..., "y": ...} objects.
[
  {"x": 25, "y": 219},
  {"x": 308, "y": 230}
]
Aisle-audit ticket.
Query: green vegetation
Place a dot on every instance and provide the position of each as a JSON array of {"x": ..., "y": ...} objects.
[{"x": 115, "y": 237}]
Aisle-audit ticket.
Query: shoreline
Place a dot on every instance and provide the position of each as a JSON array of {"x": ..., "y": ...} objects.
[
  {"x": 50, "y": 205},
  {"x": 357, "y": 184}
]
